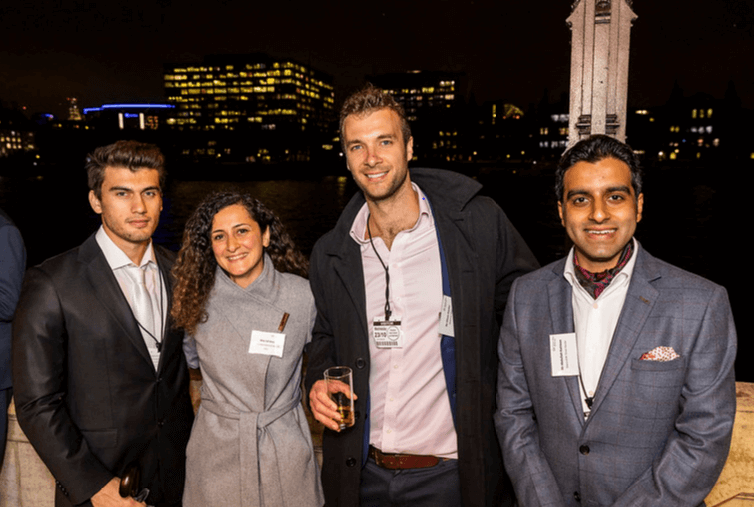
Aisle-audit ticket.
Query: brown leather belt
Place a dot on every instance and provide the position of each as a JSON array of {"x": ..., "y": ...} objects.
[{"x": 402, "y": 461}]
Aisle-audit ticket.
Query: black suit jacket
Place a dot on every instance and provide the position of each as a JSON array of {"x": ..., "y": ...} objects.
[{"x": 87, "y": 395}]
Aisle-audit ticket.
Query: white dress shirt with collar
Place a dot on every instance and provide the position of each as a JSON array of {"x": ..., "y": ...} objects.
[
  {"x": 595, "y": 320},
  {"x": 118, "y": 261}
]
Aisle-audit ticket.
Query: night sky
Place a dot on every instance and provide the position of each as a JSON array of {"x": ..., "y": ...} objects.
[{"x": 512, "y": 50}]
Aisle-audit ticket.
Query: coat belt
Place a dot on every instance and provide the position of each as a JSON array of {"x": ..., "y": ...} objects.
[{"x": 256, "y": 446}]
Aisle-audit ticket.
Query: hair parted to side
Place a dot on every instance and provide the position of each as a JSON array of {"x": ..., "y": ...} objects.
[
  {"x": 366, "y": 101},
  {"x": 131, "y": 155},
  {"x": 195, "y": 267},
  {"x": 593, "y": 149}
]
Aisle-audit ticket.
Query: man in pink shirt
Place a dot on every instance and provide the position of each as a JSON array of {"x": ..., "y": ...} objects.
[{"x": 421, "y": 254}]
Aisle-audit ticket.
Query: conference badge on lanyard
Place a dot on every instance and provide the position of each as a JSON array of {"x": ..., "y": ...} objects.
[{"x": 387, "y": 333}]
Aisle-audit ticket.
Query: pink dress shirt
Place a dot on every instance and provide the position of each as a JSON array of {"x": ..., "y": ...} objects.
[{"x": 410, "y": 409}]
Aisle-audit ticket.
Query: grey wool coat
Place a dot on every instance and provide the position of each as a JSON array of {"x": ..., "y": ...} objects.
[{"x": 250, "y": 444}]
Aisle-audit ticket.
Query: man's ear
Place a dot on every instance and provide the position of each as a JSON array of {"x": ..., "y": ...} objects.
[{"x": 95, "y": 203}]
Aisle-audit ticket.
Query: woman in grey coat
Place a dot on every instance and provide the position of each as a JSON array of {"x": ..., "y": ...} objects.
[{"x": 247, "y": 315}]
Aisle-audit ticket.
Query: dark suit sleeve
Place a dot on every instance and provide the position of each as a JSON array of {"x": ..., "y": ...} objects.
[
  {"x": 320, "y": 351},
  {"x": 516, "y": 425},
  {"x": 696, "y": 451},
  {"x": 39, "y": 373},
  {"x": 12, "y": 265}
]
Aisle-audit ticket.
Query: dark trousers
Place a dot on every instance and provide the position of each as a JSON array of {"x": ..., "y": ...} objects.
[
  {"x": 5, "y": 397},
  {"x": 437, "y": 486}
]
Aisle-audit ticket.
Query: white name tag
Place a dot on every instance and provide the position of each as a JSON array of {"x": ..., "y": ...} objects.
[
  {"x": 563, "y": 355},
  {"x": 446, "y": 316},
  {"x": 269, "y": 344},
  {"x": 387, "y": 334}
]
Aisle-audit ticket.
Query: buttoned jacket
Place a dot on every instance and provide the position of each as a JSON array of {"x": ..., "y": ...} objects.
[
  {"x": 484, "y": 255},
  {"x": 87, "y": 394},
  {"x": 658, "y": 433}
]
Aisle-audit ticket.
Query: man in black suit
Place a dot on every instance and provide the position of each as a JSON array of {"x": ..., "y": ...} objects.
[{"x": 101, "y": 383}]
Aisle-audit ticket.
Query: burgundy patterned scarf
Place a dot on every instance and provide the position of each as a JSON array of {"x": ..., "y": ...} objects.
[{"x": 595, "y": 283}]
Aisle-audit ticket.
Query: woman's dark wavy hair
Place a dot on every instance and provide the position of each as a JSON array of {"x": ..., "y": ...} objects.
[{"x": 194, "y": 270}]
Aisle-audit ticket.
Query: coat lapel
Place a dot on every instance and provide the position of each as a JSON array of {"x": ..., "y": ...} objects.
[
  {"x": 561, "y": 313},
  {"x": 348, "y": 268},
  {"x": 640, "y": 299},
  {"x": 102, "y": 280},
  {"x": 164, "y": 265}
]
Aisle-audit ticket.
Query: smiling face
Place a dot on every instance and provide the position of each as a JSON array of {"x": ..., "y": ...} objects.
[
  {"x": 238, "y": 244},
  {"x": 599, "y": 210},
  {"x": 130, "y": 206},
  {"x": 376, "y": 154}
]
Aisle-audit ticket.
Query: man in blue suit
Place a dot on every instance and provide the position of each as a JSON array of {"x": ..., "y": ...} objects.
[
  {"x": 616, "y": 382},
  {"x": 12, "y": 266}
]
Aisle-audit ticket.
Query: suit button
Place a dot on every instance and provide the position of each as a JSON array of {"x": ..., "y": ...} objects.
[
  {"x": 161, "y": 423},
  {"x": 360, "y": 363},
  {"x": 356, "y": 415},
  {"x": 584, "y": 449},
  {"x": 576, "y": 496},
  {"x": 350, "y": 462}
]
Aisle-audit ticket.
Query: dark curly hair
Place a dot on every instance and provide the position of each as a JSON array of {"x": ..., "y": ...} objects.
[{"x": 194, "y": 270}]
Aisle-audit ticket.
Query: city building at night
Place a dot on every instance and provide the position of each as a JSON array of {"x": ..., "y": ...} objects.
[
  {"x": 16, "y": 133},
  {"x": 433, "y": 107},
  {"x": 251, "y": 107},
  {"x": 128, "y": 116}
]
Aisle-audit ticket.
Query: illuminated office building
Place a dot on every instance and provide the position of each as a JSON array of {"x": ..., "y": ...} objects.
[
  {"x": 129, "y": 116},
  {"x": 74, "y": 114},
  {"x": 431, "y": 102},
  {"x": 16, "y": 135},
  {"x": 288, "y": 107}
]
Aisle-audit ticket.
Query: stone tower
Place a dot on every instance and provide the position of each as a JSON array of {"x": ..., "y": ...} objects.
[{"x": 600, "y": 41}]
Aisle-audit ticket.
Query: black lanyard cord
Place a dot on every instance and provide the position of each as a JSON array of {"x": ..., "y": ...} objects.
[{"x": 387, "y": 271}]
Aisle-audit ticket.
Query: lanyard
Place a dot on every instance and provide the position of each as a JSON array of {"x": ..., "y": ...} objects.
[{"x": 387, "y": 272}]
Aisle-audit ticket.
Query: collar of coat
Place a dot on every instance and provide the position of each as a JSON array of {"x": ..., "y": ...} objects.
[{"x": 452, "y": 189}]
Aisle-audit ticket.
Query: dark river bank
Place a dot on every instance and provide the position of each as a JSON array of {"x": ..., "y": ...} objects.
[{"x": 693, "y": 217}]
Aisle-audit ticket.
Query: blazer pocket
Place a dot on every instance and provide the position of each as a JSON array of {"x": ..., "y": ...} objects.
[
  {"x": 101, "y": 439},
  {"x": 648, "y": 365}
]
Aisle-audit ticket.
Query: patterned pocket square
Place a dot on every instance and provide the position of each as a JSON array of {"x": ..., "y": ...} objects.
[{"x": 660, "y": 354}]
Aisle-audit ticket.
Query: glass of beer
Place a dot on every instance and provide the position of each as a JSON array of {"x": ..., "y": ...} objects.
[{"x": 335, "y": 379}]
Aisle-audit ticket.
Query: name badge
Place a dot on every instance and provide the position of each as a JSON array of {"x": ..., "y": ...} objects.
[
  {"x": 563, "y": 355},
  {"x": 268, "y": 344},
  {"x": 446, "y": 316},
  {"x": 387, "y": 334}
]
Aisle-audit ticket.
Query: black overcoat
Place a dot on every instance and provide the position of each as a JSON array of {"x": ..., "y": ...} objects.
[{"x": 484, "y": 254}]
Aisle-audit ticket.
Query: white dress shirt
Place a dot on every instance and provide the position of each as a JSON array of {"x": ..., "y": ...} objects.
[
  {"x": 595, "y": 320},
  {"x": 410, "y": 409},
  {"x": 118, "y": 261}
]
